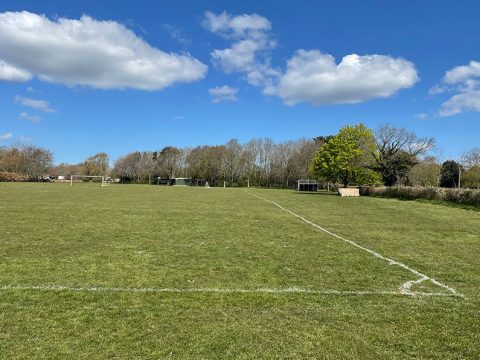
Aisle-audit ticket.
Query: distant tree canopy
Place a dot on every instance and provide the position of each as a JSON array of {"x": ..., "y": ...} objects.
[
  {"x": 397, "y": 152},
  {"x": 426, "y": 173},
  {"x": 347, "y": 157},
  {"x": 169, "y": 161},
  {"x": 471, "y": 158},
  {"x": 354, "y": 156},
  {"x": 258, "y": 162},
  {"x": 96, "y": 165},
  {"x": 320, "y": 140},
  {"x": 30, "y": 160},
  {"x": 450, "y": 174},
  {"x": 471, "y": 177}
]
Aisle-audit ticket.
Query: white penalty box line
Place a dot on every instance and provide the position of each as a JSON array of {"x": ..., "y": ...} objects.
[
  {"x": 292, "y": 290},
  {"x": 405, "y": 288}
]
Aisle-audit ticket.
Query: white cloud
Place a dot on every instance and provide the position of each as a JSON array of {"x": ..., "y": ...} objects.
[
  {"x": 464, "y": 101},
  {"x": 9, "y": 72},
  {"x": 223, "y": 93},
  {"x": 41, "y": 105},
  {"x": 463, "y": 73},
  {"x": 314, "y": 77},
  {"x": 241, "y": 26},
  {"x": 239, "y": 57},
  {"x": 99, "y": 54},
  {"x": 464, "y": 82},
  {"x": 6, "y": 136},
  {"x": 437, "y": 89},
  {"x": 30, "y": 118},
  {"x": 310, "y": 76},
  {"x": 251, "y": 43}
]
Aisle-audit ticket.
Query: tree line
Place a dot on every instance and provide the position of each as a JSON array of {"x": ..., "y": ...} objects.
[
  {"x": 24, "y": 162},
  {"x": 356, "y": 155},
  {"x": 259, "y": 162},
  {"x": 391, "y": 156}
]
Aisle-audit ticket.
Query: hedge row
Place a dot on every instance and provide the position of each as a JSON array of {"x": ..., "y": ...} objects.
[
  {"x": 459, "y": 196},
  {"x": 12, "y": 177}
]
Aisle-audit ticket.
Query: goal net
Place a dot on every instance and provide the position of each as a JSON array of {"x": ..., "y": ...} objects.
[{"x": 102, "y": 180}]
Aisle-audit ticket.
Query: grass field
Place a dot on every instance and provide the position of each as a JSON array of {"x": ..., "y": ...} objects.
[{"x": 137, "y": 271}]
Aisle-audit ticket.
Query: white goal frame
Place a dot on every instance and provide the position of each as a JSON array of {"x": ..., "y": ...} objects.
[{"x": 104, "y": 181}]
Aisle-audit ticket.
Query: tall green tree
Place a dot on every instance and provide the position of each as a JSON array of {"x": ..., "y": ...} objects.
[
  {"x": 347, "y": 157},
  {"x": 450, "y": 174}
]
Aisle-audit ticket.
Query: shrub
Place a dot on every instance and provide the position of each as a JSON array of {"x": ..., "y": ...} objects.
[
  {"x": 12, "y": 177},
  {"x": 459, "y": 196}
]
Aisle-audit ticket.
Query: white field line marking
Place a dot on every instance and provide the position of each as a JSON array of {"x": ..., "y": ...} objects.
[
  {"x": 404, "y": 288},
  {"x": 292, "y": 290}
]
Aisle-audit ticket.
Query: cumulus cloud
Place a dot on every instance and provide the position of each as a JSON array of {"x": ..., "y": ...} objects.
[
  {"x": 249, "y": 50},
  {"x": 223, "y": 93},
  {"x": 239, "y": 57},
  {"x": 314, "y": 77},
  {"x": 6, "y": 136},
  {"x": 237, "y": 27},
  {"x": 311, "y": 76},
  {"x": 463, "y": 73},
  {"x": 9, "y": 72},
  {"x": 98, "y": 54},
  {"x": 41, "y": 105},
  {"x": 468, "y": 100},
  {"x": 31, "y": 118},
  {"x": 464, "y": 82}
]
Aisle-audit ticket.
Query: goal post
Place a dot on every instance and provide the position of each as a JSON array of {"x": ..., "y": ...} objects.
[{"x": 103, "y": 179}]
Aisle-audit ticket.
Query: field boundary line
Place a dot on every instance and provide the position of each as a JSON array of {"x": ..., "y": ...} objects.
[
  {"x": 292, "y": 290},
  {"x": 405, "y": 288}
]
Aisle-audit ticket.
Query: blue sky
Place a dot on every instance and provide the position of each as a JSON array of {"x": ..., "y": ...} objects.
[{"x": 142, "y": 75}]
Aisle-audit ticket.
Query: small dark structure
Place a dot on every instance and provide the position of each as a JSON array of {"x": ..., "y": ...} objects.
[
  {"x": 198, "y": 182},
  {"x": 307, "y": 185},
  {"x": 166, "y": 182},
  {"x": 180, "y": 182}
]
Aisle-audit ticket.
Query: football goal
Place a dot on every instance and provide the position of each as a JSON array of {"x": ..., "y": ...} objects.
[{"x": 92, "y": 178}]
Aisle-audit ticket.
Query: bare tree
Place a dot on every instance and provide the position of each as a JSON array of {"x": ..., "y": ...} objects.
[
  {"x": 97, "y": 164},
  {"x": 397, "y": 151},
  {"x": 127, "y": 167},
  {"x": 169, "y": 160},
  {"x": 232, "y": 161},
  {"x": 471, "y": 158},
  {"x": 29, "y": 160}
]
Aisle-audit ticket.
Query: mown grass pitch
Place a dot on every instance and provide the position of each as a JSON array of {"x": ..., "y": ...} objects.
[{"x": 143, "y": 271}]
